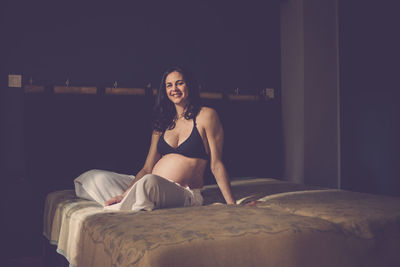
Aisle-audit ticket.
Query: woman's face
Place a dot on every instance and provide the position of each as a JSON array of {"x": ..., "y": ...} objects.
[{"x": 176, "y": 88}]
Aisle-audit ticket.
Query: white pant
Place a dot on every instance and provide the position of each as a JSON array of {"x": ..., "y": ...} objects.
[{"x": 150, "y": 192}]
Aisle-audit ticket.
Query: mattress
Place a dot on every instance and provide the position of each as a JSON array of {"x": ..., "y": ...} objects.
[{"x": 292, "y": 225}]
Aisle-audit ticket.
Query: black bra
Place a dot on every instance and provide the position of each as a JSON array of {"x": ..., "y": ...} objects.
[{"x": 192, "y": 147}]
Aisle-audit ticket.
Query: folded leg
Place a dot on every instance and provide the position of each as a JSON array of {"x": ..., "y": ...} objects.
[{"x": 154, "y": 192}]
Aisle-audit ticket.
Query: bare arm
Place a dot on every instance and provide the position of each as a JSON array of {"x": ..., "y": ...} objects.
[
  {"x": 215, "y": 137},
  {"x": 152, "y": 157}
]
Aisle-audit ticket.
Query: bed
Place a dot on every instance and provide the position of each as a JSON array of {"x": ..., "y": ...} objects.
[{"x": 291, "y": 225}]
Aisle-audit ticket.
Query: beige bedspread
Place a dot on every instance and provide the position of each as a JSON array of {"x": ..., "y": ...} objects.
[{"x": 293, "y": 225}]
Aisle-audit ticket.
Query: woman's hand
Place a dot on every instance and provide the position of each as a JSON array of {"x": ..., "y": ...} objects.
[
  {"x": 114, "y": 200},
  {"x": 252, "y": 203}
]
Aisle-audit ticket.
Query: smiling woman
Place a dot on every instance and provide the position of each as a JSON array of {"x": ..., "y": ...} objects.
[{"x": 185, "y": 137}]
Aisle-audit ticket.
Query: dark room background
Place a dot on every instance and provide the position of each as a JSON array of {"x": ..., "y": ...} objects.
[
  {"x": 227, "y": 45},
  {"x": 370, "y": 92}
]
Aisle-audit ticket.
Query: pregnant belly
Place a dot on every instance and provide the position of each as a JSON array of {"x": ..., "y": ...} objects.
[{"x": 182, "y": 170}]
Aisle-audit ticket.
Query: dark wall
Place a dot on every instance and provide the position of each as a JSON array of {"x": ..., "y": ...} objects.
[
  {"x": 228, "y": 45},
  {"x": 369, "y": 60}
]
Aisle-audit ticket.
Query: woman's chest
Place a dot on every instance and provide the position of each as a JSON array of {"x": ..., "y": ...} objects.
[{"x": 179, "y": 134}]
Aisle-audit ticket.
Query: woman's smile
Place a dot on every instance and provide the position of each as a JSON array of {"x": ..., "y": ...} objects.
[{"x": 176, "y": 88}]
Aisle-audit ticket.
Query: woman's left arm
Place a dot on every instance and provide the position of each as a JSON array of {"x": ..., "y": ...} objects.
[{"x": 215, "y": 137}]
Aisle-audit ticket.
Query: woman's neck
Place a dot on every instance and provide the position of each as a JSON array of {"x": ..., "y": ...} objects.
[{"x": 180, "y": 111}]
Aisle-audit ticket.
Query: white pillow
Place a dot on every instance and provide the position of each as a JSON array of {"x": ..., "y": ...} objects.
[{"x": 100, "y": 186}]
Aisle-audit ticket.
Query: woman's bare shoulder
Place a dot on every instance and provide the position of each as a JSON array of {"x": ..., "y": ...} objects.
[
  {"x": 155, "y": 136},
  {"x": 156, "y": 133},
  {"x": 207, "y": 115},
  {"x": 207, "y": 112}
]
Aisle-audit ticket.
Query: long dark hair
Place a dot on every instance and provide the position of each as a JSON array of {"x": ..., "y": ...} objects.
[{"x": 164, "y": 109}]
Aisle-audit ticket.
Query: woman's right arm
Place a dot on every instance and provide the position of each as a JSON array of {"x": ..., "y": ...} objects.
[{"x": 152, "y": 157}]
